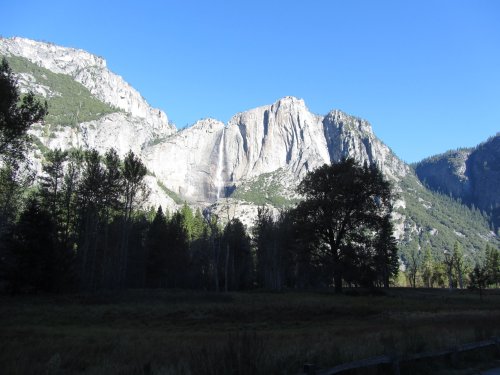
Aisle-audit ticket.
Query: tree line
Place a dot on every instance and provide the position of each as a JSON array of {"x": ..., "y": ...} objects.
[
  {"x": 76, "y": 223},
  {"x": 81, "y": 227},
  {"x": 453, "y": 269}
]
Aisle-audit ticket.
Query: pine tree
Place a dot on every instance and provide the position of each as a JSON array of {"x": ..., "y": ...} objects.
[
  {"x": 269, "y": 274},
  {"x": 177, "y": 259},
  {"x": 492, "y": 265},
  {"x": 198, "y": 225},
  {"x": 16, "y": 115},
  {"x": 37, "y": 262},
  {"x": 90, "y": 206},
  {"x": 200, "y": 267},
  {"x": 156, "y": 244},
  {"x": 51, "y": 183},
  {"x": 238, "y": 259},
  {"x": 69, "y": 198},
  {"x": 213, "y": 237},
  {"x": 414, "y": 264},
  {"x": 110, "y": 211},
  {"x": 11, "y": 190},
  {"x": 188, "y": 220},
  {"x": 112, "y": 184},
  {"x": 135, "y": 191},
  {"x": 459, "y": 263},
  {"x": 478, "y": 279},
  {"x": 386, "y": 256},
  {"x": 449, "y": 262},
  {"x": 439, "y": 276},
  {"x": 274, "y": 240},
  {"x": 428, "y": 268}
]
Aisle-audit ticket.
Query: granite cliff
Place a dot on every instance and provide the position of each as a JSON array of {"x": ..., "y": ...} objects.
[{"x": 471, "y": 175}]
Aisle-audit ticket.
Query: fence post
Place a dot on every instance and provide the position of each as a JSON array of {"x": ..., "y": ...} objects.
[
  {"x": 454, "y": 357},
  {"x": 395, "y": 365},
  {"x": 496, "y": 340},
  {"x": 309, "y": 369}
]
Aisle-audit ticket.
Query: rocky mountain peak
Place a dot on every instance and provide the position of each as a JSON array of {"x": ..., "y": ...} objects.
[
  {"x": 207, "y": 124},
  {"x": 348, "y": 122},
  {"x": 469, "y": 174},
  {"x": 289, "y": 104},
  {"x": 91, "y": 71},
  {"x": 58, "y": 59}
]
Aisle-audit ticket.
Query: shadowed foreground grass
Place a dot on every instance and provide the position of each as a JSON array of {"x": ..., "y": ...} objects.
[{"x": 182, "y": 332}]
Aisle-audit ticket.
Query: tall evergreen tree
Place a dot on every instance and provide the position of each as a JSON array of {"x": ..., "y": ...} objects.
[
  {"x": 198, "y": 225},
  {"x": 36, "y": 260},
  {"x": 478, "y": 279},
  {"x": 51, "y": 183},
  {"x": 188, "y": 220},
  {"x": 214, "y": 237},
  {"x": 16, "y": 114},
  {"x": 459, "y": 263},
  {"x": 449, "y": 263},
  {"x": 200, "y": 253},
  {"x": 273, "y": 238},
  {"x": 428, "y": 268},
  {"x": 111, "y": 204},
  {"x": 113, "y": 183},
  {"x": 156, "y": 244},
  {"x": 134, "y": 190},
  {"x": 267, "y": 252},
  {"x": 492, "y": 265},
  {"x": 386, "y": 253},
  {"x": 90, "y": 196},
  {"x": 12, "y": 186},
  {"x": 177, "y": 259},
  {"x": 70, "y": 186},
  {"x": 238, "y": 263},
  {"x": 413, "y": 265}
]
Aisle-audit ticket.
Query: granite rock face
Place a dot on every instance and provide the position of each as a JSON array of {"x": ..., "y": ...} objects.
[
  {"x": 284, "y": 136},
  {"x": 471, "y": 175},
  {"x": 483, "y": 169},
  {"x": 446, "y": 173},
  {"x": 187, "y": 161}
]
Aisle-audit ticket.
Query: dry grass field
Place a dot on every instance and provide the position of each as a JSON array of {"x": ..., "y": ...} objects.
[{"x": 184, "y": 332}]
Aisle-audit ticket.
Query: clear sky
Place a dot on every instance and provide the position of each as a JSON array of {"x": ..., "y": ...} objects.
[{"x": 426, "y": 74}]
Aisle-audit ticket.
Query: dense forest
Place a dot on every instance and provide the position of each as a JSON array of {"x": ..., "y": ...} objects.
[{"x": 81, "y": 226}]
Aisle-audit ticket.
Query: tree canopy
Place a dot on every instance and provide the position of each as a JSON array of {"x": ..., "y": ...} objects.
[{"x": 345, "y": 207}]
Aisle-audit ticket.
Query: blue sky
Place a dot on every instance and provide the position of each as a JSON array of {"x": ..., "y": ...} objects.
[{"x": 426, "y": 74}]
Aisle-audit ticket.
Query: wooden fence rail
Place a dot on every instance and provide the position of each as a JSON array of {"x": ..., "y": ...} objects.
[{"x": 395, "y": 360}]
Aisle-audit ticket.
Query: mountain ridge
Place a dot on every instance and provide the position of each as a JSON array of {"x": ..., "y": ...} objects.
[
  {"x": 257, "y": 157},
  {"x": 89, "y": 70},
  {"x": 469, "y": 174}
]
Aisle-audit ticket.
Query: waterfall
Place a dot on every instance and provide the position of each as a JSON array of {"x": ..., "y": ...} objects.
[{"x": 219, "y": 183}]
